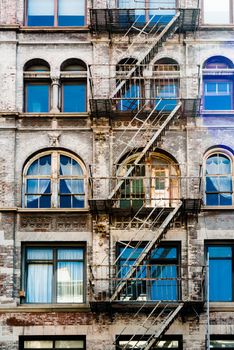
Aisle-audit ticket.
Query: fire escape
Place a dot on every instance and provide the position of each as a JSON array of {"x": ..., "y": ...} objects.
[{"x": 127, "y": 284}]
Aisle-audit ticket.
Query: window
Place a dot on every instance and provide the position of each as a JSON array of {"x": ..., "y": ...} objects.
[
  {"x": 218, "y": 180},
  {"x": 221, "y": 342},
  {"x": 66, "y": 93},
  {"x": 218, "y": 84},
  {"x": 53, "y": 274},
  {"x": 37, "y": 86},
  {"x": 55, "y": 13},
  {"x": 153, "y": 184},
  {"x": 217, "y": 12},
  {"x": 140, "y": 342},
  {"x": 152, "y": 10},
  {"x": 52, "y": 342},
  {"x": 54, "y": 179},
  {"x": 74, "y": 77},
  {"x": 220, "y": 271},
  {"x": 157, "y": 279}
]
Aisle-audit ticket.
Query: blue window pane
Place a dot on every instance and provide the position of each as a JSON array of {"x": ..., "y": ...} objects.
[
  {"x": 164, "y": 253},
  {"x": 225, "y": 184},
  {"x": 32, "y": 186},
  {"x": 74, "y": 97},
  {"x": 65, "y": 201},
  {"x": 220, "y": 280},
  {"x": 65, "y": 186},
  {"x": 212, "y": 184},
  {"x": 44, "y": 186},
  {"x": 71, "y": 13},
  {"x": 212, "y": 199},
  {"x": 40, "y": 12},
  {"x": 37, "y": 98},
  {"x": 218, "y": 103},
  {"x": 225, "y": 199},
  {"x": 220, "y": 252},
  {"x": 211, "y": 87},
  {"x": 77, "y": 186},
  {"x": 165, "y": 286},
  {"x": 41, "y": 166},
  {"x": 69, "y": 166},
  {"x": 78, "y": 202},
  {"x": 32, "y": 201},
  {"x": 130, "y": 252},
  {"x": 130, "y": 101},
  {"x": 39, "y": 254},
  {"x": 39, "y": 283},
  {"x": 45, "y": 202}
]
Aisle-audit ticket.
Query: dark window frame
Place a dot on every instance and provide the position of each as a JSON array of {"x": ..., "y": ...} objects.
[
  {"x": 55, "y": 247},
  {"x": 51, "y": 337},
  {"x": 226, "y": 243},
  {"x": 177, "y": 337},
  {"x": 56, "y": 15}
]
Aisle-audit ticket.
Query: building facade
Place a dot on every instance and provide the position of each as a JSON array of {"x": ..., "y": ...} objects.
[{"x": 116, "y": 171}]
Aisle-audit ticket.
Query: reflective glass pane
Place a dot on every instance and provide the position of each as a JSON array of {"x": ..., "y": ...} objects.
[
  {"x": 32, "y": 186},
  {"x": 220, "y": 252},
  {"x": 44, "y": 186},
  {"x": 45, "y": 202},
  {"x": 39, "y": 283},
  {"x": 77, "y": 186},
  {"x": 222, "y": 344},
  {"x": 212, "y": 184},
  {"x": 78, "y": 202},
  {"x": 71, "y": 13},
  {"x": 39, "y": 254},
  {"x": 225, "y": 184},
  {"x": 65, "y": 186},
  {"x": 40, "y": 12},
  {"x": 218, "y": 102},
  {"x": 32, "y": 201},
  {"x": 210, "y": 87},
  {"x": 212, "y": 199},
  {"x": 69, "y": 166},
  {"x": 41, "y": 166},
  {"x": 220, "y": 280},
  {"x": 216, "y": 12},
  {"x": 70, "y": 254},
  {"x": 38, "y": 344},
  {"x": 65, "y": 201},
  {"x": 74, "y": 97},
  {"x": 225, "y": 199},
  {"x": 69, "y": 344},
  {"x": 70, "y": 282},
  {"x": 165, "y": 286},
  {"x": 167, "y": 344},
  {"x": 37, "y": 98},
  {"x": 164, "y": 253}
]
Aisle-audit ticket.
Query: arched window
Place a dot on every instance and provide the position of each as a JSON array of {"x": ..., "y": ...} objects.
[
  {"x": 54, "y": 179},
  {"x": 74, "y": 86},
  {"x": 218, "y": 184},
  {"x": 152, "y": 183},
  {"x": 218, "y": 80},
  {"x": 165, "y": 85},
  {"x": 55, "y": 13},
  {"x": 37, "y": 86}
]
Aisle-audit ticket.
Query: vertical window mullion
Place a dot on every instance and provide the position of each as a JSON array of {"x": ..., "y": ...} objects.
[
  {"x": 55, "y": 13},
  {"x": 54, "y": 179}
]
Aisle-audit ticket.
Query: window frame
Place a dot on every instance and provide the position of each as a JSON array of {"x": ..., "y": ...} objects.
[
  {"x": 73, "y": 81},
  {"x": 54, "y": 247},
  {"x": 153, "y": 261},
  {"x": 227, "y": 243},
  {"x": 177, "y": 337},
  {"x": 55, "y": 179},
  {"x": 227, "y": 154},
  {"x": 23, "y": 338},
  {"x": 217, "y": 80},
  {"x": 56, "y": 15}
]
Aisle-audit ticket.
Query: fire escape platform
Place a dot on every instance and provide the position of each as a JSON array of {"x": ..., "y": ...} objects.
[{"x": 117, "y": 20}]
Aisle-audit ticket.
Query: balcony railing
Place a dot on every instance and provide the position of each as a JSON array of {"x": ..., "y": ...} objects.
[{"x": 148, "y": 283}]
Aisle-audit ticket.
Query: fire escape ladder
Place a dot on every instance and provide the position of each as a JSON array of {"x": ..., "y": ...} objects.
[
  {"x": 160, "y": 38},
  {"x": 163, "y": 326},
  {"x": 149, "y": 144},
  {"x": 157, "y": 235}
]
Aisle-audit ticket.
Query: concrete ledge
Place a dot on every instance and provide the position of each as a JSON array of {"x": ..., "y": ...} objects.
[{"x": 45, "y": 308}]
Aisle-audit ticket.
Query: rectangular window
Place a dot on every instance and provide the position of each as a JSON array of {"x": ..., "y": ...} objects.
[
  {"x": 74, "y": 97},
  {"x": 222, "y": 342},
  {"x": 140, "y": 342},
  {"x": 157, "y": 279},
  {"x": 217, "y": 12},
  {"x": 47, "y": 13},
  {"x": 220, "y": 272},
  {"x": 54, "y": 274},
  {"x": 218, "y": 95},
  {"x": 52, "y": 342},
  {"x": 37, "y": 97}
]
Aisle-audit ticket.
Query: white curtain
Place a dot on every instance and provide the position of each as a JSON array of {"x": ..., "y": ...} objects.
[
  {"x": 40, "y": 7},
  {"x": 71, "y": 8},
  {"x": 39, "y": 283}
]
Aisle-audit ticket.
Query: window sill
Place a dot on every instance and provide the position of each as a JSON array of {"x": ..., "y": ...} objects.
[
  {"x": 218, "y": 207},
  {"x": 47, "y": 308},
  {"x": 82, "y": 29},
  {"x": 221, "y": 306},
  {"x": 216, "y": 26},
  {"x": 54, "y": 115},
  {"x": 46, "y": 210},
  {"x": 213, "y": 113}
]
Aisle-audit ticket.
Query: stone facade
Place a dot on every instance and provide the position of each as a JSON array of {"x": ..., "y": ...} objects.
[{"x": 95, "y": 141}]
